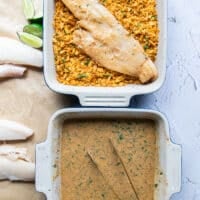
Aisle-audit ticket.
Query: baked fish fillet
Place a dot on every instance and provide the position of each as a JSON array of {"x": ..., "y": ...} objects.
[
  {"x": 15, "y": 164},
  {"x": 15, "y": 52},
  {"x": 104, "y": 39},
  {"x": 11, "y": 71},
  {"x": 10, "y": 130}
]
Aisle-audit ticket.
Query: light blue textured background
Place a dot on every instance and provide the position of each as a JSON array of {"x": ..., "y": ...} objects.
[{"x": 179, "y": 98}]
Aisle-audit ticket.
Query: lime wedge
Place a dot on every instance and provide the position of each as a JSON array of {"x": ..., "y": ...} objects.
[
  {"x": 28, "y": 8},
  {"x": 34, "y": 29},
  {"x": 30, "y": 39}
]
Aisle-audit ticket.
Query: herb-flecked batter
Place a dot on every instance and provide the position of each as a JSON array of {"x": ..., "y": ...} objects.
[{"x": 91, "y": 169}]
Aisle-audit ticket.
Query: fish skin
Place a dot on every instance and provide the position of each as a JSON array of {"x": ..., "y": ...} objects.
[
  {"x": 10, "y": 131},
  {"x": 11, "y": 71},
  {"x": 15, "y": 165},
  {"x": 15, "y": 52}
]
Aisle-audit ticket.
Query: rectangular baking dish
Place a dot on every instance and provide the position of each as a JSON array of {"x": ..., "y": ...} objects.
[
  {"x": 103, "y": 96},
  {"x": 47, "y": 153}
]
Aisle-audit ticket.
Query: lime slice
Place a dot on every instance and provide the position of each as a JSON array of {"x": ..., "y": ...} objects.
[
  {"x": 30, "y": 39},
  {"x": 28, "y": 8},
  {"x": 34, "y": 29}
]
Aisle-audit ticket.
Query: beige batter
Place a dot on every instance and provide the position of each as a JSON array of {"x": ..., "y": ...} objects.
[{"x": 90, "y": 167}]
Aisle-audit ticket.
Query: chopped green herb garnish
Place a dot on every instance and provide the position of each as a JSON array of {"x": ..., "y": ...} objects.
[
  {"x": 121, "y": 136},
  {"x": 87, "y": 62},
  {"x": 146, "y": 46},
  {"x": 80, "y": 76}
]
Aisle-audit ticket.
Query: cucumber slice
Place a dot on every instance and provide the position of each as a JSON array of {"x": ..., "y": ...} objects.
[
  {"x": 28, "y": 8},
  {"x": 30, "y": 40},
  {"x": 34, "y": 29}
]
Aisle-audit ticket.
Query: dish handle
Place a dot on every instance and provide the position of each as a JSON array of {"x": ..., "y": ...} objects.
[
  {"x": 174, "y": 166},
  {"x": 105, "y": 100},
  {"x": 43, "y": 175}
]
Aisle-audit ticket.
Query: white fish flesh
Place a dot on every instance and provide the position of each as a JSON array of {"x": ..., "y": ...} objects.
[
  {"x": 15, "y": 52},
  {"x": 107, "y": 42},
  {"x": 10, "y": 130},
  {"x": 11, "y": 71},
  {"x": 13, "y": 152},
  {"x": 15, "y": 164}
]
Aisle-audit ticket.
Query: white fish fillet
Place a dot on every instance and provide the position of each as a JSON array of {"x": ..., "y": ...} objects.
[
  {"x": 15, "y": 52},
  {"x": 14, "y": 153},
  {"x": 15, "y": 164},
  {"x": 9, "y": 71},
  {"x": 10, "y": 130},
  {"x": 105, "y": 40}
]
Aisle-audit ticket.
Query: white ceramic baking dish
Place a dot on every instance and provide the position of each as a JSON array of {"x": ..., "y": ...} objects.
[
  {"x": 103, "y": 96},
  {"x": 47, "y": 153}
]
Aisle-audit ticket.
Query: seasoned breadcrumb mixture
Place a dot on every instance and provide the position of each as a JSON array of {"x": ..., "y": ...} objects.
[{"x": 73, "y": 67}]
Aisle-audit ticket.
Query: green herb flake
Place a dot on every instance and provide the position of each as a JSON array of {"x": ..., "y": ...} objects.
[
  {"x": 117, "y": 164},
  {"x": 54, "y": 166},
  {"x": 87, "y": 61},
  {"x": 80, "y": 76},
  {"x": 121, "y": 136},
  {"x": 146, "y": 46},
  {"x": 103, "y": 195}
]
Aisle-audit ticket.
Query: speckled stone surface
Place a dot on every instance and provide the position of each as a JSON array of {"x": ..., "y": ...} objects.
[{"x": 179, "y": 98}]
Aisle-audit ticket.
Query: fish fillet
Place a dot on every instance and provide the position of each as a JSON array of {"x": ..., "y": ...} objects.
[
  {"x": 10, "y": 130},
  {"x": 104, "y": 39},
  {"x": 9, "y": 71},
  {"x": 110, "y": 167},
  {"x": 15, "y": 52},
  {"x": 15, "y": 164}
]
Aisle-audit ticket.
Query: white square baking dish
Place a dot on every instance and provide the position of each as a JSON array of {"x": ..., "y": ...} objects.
[
  {"x": 103, "y": 96},
  {"x": 47, "y": 153}
]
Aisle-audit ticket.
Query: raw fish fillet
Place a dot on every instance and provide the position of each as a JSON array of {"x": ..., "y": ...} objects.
[
  {"x": 10, "y": 130},
  {"x": 15, "y": 164},
  {"x": 15, "y": 52},
  {"x": 9, "y": 71},
  {"x": 105, "y": 40}
]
